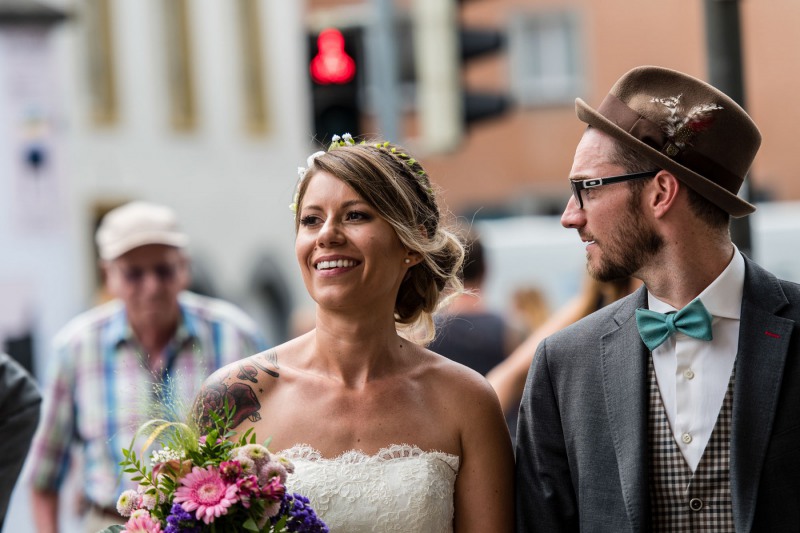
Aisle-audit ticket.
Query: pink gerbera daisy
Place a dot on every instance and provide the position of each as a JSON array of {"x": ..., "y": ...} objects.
[
  {"x": 206, "y": 492},
  {"x": 142, "y": 523}
]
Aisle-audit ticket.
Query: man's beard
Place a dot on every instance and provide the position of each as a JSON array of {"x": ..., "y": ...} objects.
[{"x": 629, "y": 250}]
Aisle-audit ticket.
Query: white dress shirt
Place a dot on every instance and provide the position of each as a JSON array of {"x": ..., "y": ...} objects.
[{"x": 693, "y": 374}]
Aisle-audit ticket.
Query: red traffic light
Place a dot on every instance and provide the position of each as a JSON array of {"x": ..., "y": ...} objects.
[{"x": 332, "y": 65}]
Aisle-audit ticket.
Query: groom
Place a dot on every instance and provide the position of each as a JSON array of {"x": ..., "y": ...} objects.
[{"x": 639, "y": 418}]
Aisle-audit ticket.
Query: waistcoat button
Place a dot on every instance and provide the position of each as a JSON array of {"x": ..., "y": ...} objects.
[{"x": 695, "y": 504}]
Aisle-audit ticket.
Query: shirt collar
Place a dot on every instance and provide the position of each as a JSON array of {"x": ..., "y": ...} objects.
[
  {"x": 722, "y": 298},
  {"x": 120, "y": 331}
]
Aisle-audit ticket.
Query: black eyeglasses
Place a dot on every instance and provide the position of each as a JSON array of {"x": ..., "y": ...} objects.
[{"x": 579, "y": 185}]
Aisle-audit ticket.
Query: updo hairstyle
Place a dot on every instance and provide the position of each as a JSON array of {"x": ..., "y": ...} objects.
[{"x": 398, "y": 187}]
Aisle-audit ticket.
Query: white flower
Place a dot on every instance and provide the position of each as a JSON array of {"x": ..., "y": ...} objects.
[
  {"x": 348, "y": 139},
  {"x": 313, "y": 157},
  {"x": 336, "y": 139},
  {"x": 167, "y": 454},
  {"x": 127, "y": 502}
]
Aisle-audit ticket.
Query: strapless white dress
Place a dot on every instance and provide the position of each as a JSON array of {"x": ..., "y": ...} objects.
[{"x": 400, "y": 489}]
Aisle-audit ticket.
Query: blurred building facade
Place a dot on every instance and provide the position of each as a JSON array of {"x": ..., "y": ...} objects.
[
  {"x": 207, "y": 105},
  {"x": 557, "y": 50},
  {"x": 198, "y": 104}
]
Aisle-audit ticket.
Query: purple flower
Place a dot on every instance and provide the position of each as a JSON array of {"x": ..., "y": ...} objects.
[
  {"x": 180, "y": 521},
  {"x": 302, "y": 518}
]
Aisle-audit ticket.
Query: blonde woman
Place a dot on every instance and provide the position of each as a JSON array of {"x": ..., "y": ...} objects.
[{"x": 385, "y": 434}]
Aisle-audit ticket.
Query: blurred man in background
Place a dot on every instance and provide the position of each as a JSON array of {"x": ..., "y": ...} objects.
[
  {"x": 469, "y": 332},
  {"x": 110, "y": 362}
]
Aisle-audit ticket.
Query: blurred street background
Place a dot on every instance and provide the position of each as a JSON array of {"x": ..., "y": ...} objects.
[{"x": 209, "y": 106}]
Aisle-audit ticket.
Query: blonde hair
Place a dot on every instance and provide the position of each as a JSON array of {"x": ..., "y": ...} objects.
[{"x": 398, "y": 187}]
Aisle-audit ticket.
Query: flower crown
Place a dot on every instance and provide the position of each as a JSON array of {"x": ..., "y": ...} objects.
[{"x": 347, "y": 140}]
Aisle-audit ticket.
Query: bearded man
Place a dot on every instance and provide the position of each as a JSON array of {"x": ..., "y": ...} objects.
[{"x": 676, "y": 408}]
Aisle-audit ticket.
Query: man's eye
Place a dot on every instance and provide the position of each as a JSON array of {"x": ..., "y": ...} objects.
[{"x": 133, "y": 275}]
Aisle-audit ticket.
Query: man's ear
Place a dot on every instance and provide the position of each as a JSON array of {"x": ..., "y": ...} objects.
[
  {"x": 109, "y": 281},
  {"x": 663, "y": 193}
]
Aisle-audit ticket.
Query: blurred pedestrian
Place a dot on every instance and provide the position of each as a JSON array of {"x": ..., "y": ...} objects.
[
  {"x": 508, "y": 378},
  {"x": 675, "y": 408},
  {"x": 19, "y": 413},
  {"x": 108, "y": 360},
  {"x": 530, "y": 308},
  {"x": 467, "y": 331}
]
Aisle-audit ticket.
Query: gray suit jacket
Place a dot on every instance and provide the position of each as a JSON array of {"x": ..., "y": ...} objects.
[{"x": 582, "y": 435}]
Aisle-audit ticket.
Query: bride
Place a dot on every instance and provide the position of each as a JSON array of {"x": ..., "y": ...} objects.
[{"x": 385, "y": 435}]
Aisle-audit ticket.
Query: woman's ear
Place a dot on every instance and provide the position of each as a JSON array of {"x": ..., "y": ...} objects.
[{"x": 412, "y": 258}]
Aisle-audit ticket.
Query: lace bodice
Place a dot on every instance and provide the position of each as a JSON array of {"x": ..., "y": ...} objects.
[{"x": 400, "y": 489}]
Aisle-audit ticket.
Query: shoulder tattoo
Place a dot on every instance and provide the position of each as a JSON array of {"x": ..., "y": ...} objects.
[
  {"x": 213, "y": 396},
  {"x": 248, "y": 369}
]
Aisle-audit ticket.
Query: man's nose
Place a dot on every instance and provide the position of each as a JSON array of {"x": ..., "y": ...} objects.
[{"x": 573, "y": 216}]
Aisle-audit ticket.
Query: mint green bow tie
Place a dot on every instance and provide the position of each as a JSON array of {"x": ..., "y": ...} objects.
[{"x": 693, "y": 320}]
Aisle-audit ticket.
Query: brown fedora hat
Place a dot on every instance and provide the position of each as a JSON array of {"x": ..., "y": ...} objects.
[{"x": 685, "y": 126}]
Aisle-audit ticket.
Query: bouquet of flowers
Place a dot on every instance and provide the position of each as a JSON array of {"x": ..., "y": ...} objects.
[{"x": 213, "y": 483}]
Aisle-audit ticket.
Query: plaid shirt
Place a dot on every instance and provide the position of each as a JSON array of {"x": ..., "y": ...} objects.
[{"x": 102, "y": 390}]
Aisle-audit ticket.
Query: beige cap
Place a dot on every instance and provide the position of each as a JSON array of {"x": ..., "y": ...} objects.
[{"x": 137, "y": 224}]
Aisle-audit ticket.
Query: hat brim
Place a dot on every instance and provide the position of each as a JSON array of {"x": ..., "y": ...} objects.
[
  {"x": 111, "y": 252},
  {"x": 722, "y": 198}
]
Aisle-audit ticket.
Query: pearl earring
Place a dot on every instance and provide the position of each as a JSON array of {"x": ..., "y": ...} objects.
[{"x": 406, "y": 260}]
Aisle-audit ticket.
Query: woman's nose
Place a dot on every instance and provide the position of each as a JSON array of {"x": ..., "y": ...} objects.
[{"x": 330, "y": 234}]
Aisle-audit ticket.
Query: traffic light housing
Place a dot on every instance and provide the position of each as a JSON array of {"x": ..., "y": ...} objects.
[
  {"x": 334, "y": 69},
  {"x": 477, "y": 42},
  {"x": 443, "y": 48}
]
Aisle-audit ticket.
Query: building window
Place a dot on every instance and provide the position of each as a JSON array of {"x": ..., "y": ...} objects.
[
  {"x": 256, "y": 115},
  {"x": 183, "y": 108},
  {"x": 545, "y": 59},
  {"x": 102, "y": 86}
]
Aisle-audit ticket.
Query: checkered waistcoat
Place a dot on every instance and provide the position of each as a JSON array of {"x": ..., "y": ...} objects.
[{"x": 679, "y": 500}]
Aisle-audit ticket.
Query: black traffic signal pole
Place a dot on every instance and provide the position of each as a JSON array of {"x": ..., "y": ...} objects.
[{"x": 724, "y": 53}]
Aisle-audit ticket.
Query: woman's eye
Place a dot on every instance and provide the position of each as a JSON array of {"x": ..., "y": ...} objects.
[
  {"x": 309, "y": 220},
  {"x": 357, "y": 215}
]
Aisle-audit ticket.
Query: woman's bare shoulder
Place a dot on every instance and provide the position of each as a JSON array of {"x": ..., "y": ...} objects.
[
  {"x": 454, "y": 380},
  {"x": 242, "y": 385}
]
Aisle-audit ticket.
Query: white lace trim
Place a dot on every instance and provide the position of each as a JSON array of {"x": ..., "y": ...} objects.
[
  {"x": 400, "y": 489},
  {"x": 389, "y": 453}
]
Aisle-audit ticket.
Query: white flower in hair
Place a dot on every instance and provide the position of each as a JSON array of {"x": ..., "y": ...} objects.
[
  {"x": 348, "y": 139},
  {"x": 313, "y": 157},
  {"x": 301, "y": 173}
]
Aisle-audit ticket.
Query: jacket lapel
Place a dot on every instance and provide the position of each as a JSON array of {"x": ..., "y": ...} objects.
[
  {"x": 625, "y": 390},
  {"x": 763, "y": 345}
]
